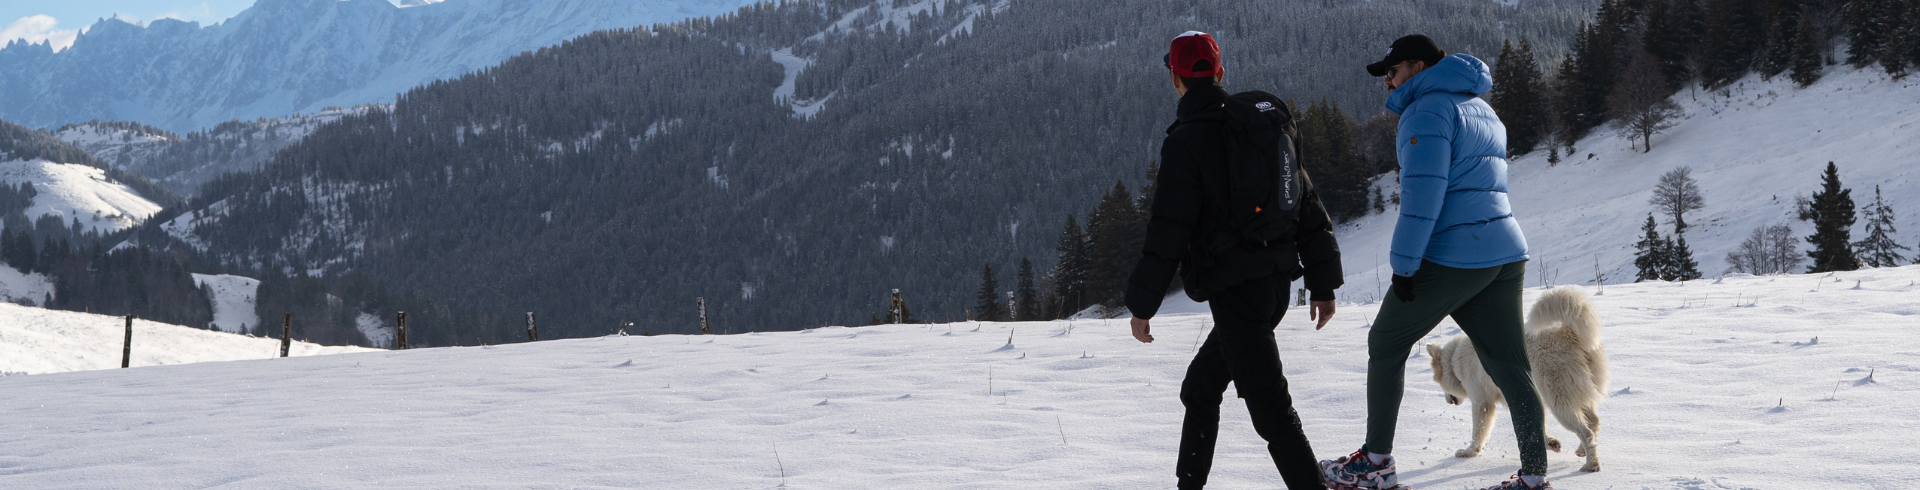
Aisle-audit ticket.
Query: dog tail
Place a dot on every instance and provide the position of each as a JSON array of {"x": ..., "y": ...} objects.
[{"x": 1567, "y": 306}]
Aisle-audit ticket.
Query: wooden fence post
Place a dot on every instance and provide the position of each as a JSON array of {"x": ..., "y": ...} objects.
[
  {"x": 401, "y": 342},
  {"x": 898, "y": 318},
  {"x": 533, "y": 330},
  {"x": 702, "y": 302},
  {"x": 286, "y": 335},
  {"x": 1011, "y": 316},
  {"x": 126, "y": 350}
]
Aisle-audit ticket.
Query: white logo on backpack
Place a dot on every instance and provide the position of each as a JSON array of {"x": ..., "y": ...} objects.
[{"x": 1264, "y": 106}]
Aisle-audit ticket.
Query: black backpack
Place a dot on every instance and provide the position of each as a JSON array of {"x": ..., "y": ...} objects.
[
  {"x": 1265, "y": 186},
  {"x": 1263, "y": 171}
]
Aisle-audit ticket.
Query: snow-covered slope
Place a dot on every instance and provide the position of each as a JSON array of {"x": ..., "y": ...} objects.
[
  {"x": 18, "y": 288},
  {"x": 233, "y": 301},
  {"x": 117, "y": 143},
  {"x": 1752, "y": 149},
  {"x": 39, "y": 341},
  {"x": 1729, "y": 385},
  {"x": 183, "y": 163},
  {"x": 286, "y": 56},
  {"x": 73, "y": 191}
]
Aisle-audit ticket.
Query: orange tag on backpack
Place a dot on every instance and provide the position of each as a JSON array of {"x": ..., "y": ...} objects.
[{"x": 1256, "y": 210}]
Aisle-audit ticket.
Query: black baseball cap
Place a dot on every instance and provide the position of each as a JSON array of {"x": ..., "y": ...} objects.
[{"x": 1415, "y": 47}]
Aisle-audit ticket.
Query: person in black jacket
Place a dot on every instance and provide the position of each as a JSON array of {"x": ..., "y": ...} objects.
[{"x": 1245, "y": 285}]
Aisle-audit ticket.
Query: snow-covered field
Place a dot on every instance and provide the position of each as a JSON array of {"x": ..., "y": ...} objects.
[
  {"x": 38, "y": 341},
  {"x": 73, "y": 191},
  {"x": 1749, "y": 382},
  {"x": 1752, "y": 150},
  {"x": 16, "y": 286},
  {"x": 233, "y": 300}
]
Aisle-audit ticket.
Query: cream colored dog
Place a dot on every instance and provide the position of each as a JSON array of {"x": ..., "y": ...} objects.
[{"x": 1569, "y": 370}]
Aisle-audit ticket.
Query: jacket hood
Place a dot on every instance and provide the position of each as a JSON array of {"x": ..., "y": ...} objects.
[
  {"x": 1201, "y": 104},
  {"x": 1457, "y": 73}
]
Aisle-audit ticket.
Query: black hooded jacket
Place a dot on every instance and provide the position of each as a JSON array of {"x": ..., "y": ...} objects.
[{"x": 1188, "y": 220}]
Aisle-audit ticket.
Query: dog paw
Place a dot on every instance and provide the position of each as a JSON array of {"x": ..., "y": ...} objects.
[
  {"x": 1466, "y": 453},
  {"x": 1593, "y": 467},
  {"x": 1580, "y": 452},
  {"x": 1554, "y": 445}
]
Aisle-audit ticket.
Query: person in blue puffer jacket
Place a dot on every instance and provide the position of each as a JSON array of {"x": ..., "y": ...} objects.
[{"x": 1457, "y": 252}]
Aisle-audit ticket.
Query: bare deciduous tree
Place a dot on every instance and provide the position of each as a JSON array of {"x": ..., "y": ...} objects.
[
  {"x": 1771, "y": 249},
  {"x": 1677, "y": 194},
  {"x": 1638, "y": 105}
]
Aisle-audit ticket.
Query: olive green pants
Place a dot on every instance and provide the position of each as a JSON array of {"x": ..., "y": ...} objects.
[{"x": 1486, "y": 304}]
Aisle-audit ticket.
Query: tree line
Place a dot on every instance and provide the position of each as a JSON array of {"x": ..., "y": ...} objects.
[
  {"x": 615, "y": 177},
  {"x": 1622, "y": 66},
  {"x": 1773, "y": 248}
]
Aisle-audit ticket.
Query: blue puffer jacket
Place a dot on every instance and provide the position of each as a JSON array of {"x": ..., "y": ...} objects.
[{"x": 1453, "y": 172}]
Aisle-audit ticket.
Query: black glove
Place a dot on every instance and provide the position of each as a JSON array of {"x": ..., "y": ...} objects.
[{"x": 1403, "y": 288}]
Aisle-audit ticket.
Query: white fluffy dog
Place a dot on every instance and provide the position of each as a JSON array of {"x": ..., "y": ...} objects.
[{"x": 1569, "y": 370}]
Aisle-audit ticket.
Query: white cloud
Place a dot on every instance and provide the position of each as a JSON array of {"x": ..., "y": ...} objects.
[{"x": 38, "y": 28}]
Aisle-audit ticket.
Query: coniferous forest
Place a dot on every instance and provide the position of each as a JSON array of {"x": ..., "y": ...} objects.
[{"x": 619, "y": 176}]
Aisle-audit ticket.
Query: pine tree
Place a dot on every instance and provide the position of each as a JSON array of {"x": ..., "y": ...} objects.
[
  {"x": 1878, "y": 249},
  {"x": 1680, "y": 263},
  {"x": 1867, "y": 30},
  {"x": 1114, "y": 239},
  {"x": 1650, "y": 256},
  {"x": 1673, "y": 35},
  {"x": 1727, "y": 52},
  {"x": 989, "y": 306},
  {"x": 1586, "y": 78},
  {"x": 1327, "y": 153},
  {"x": 906, "y": 312},
  {"x": 1833, "y": 217},
  {"x": 1026, "y": 298},
  {"x": 1070, "y": 270},
  {"x": 1144, "y": 202},
  {"x": 1902, "y": 48},
  {"x": 1516, "y": 96},
  {"x": 1782, "y": 35},
  {"x": 1807, "y": 54}
]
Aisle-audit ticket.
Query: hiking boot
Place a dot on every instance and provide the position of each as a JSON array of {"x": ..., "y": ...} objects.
[
  {"x": 1355, "y": 471},
  {"x": 1517, "y": 484}
]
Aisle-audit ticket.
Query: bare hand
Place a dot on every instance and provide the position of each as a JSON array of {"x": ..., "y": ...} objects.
[
  {"x": 1142, "y": 331},
  {"x": 1322, "y": 311}
]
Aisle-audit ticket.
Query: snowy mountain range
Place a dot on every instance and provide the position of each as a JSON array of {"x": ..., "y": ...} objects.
[{"x": 293, "y": 56}]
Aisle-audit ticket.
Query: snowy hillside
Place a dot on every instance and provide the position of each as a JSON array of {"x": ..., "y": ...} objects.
[
  {"x": 183, "y": 163},
  {"x": 1752, "y": 149},
  {"x": 40, "y": 341},
  {"x": 74, "y": 191},
  {"x": 1716, "y": 385},
  {"x": 118, "y": 144},
  {"x": 286, "y": 56},
  {"x": 233, "y": 301},
  {"x": 22, "y": 288}
]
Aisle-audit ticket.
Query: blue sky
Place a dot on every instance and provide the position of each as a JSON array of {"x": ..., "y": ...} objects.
[
  {"x": 60, "y": 20},
  {"x": 75, "y": 14}
]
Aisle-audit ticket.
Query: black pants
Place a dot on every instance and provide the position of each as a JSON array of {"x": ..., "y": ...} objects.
[{"x": 1241, "y": 350}]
